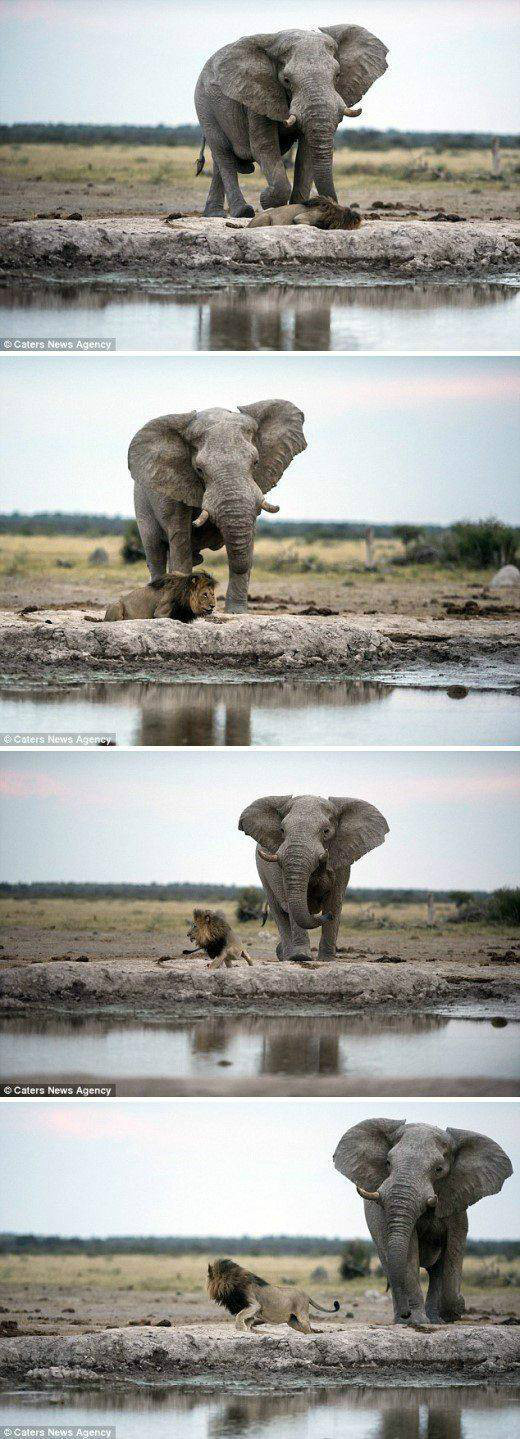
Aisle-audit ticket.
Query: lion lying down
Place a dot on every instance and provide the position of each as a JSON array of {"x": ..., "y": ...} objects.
[
  {"x": 215, "y": 937},
  {"x": 253, "y": 1301},
  {"x": 173, "y": 597},
  {"x": 322, "y": 213}
]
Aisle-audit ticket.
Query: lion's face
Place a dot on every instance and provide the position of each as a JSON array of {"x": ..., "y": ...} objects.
[
  {"x": 200, "y": 930},
  {"x": 202, "y": 594}
]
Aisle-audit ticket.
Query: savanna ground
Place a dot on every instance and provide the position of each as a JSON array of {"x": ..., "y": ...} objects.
[
  {"x": 288, "y": 575},
  {"x": 55, "y": 180},
  {"x": 65, "y": 1294},
  {"x": 135, "y": 931}
]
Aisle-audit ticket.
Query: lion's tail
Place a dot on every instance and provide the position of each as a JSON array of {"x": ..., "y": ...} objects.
[
  {"x": 201, "y": 158},
  {"x": 321, "y": 1307}
]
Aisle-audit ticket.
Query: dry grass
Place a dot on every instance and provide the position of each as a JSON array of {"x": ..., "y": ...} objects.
[
  {"x": 185, "y": 1273},
  {"x": 123, "y": 916},
  {"x": 139, "y": 165},
  {"x": 23, "y": 556}
]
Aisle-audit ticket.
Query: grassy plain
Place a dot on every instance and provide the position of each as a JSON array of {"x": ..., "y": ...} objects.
[{"x": 142, "y": 179}]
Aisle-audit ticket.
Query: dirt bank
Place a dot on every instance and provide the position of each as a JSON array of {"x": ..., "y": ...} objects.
[
  {"x": 189, "y": 250},
  {"x": 65, "y": 641},
  {"x": 133, "y": 978},
  {"x": 217, "y": 1350}
]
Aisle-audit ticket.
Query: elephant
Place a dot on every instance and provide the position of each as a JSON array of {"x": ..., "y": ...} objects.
[
  {"x": 258, "y": 96},
  {"x": 417, "y": 1182},
  {"x": 200, "y": 481},
  {"x": 305, "y": 847}
]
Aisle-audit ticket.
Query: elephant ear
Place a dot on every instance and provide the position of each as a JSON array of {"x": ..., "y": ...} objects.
[
  {"x": 362, "y": 59},
  {"x": 279, "y": 437},
  {"x": 159, "y": 457},
  {"x": 362, "y": 1153},
  {"x": 246, "y": 72},
  {"x": 479, "y": 1167},
  {"x": 263, "y": 820},
  {"x": 360, "y": 828}
]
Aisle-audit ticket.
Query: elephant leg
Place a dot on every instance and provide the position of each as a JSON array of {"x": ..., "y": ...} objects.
[
  {"x": 224, "y": 162},
  {"x": 303, "y": 176},
  {"x": 451, "y": 1302},
  {"x": 237, "y": 592},
  {"x": 215, "y": 202},
  {"x": 300, "y": 942},
  {"x": 329, "y": 930},
  {"x": 154, "y": 540},
  {"x": 265, "y": 146},
  {"x": 180, "y": 541}
]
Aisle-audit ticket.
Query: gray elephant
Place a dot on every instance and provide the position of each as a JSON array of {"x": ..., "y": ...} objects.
[
  {"x": 417, "y": 1182},
  {"x": 305, "y": 847},
  {"x": 257, "y": 96},
  {"x": 200, "y": 481}
]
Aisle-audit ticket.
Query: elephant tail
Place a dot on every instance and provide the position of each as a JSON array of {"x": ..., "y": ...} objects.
[{"x": 201, "y": 158}]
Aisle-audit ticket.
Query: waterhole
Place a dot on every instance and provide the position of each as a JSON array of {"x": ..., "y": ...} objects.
[
  {"x": 292, "y": 713},
  {"x": 362, "y": 1412},
  {"x": 266, "y": 1054},
  {"x": 434, "y": 317}
]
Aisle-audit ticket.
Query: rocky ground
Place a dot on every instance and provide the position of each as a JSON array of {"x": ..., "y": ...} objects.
[
  {"x": 87, "y": 972},
  {"x": 68, "y": 641},
  {"x": 189, "y": 250},
  {"x": 488, "y": 1350}
]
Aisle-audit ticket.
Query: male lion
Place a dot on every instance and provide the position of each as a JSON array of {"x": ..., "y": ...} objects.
[
  {"x": 215, "y": 937},
  {"x": 253, "y": 1301},
  {"x": 322, "y": 213},
  {"x": 172, "y": 597}
]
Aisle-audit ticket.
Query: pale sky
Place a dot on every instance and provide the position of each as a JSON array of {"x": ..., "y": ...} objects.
[
  {"x": 411, "y": 439},
  {"x": 178, "y": 1166},
  {"x": 165, "y": 816},
  {"x": 452, "y": 63}
]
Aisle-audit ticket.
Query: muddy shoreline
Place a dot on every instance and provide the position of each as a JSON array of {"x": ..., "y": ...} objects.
[
  {"x": 168, "y": 990},
  {"x": 216, "y": 1351},
  {"x": 193, "y": 248},
  {"x": 260, "y": 644}
]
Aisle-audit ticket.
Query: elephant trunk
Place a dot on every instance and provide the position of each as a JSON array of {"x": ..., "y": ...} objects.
[
  {"x": 233, "y": 509},
  {"x": 403, "y": 1206},
  {"x": 298, "y": 865},
  {"x": 320, "y": 129}
]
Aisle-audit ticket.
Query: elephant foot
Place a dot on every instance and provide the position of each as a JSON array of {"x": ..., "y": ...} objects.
[
  {"x": 242, "y": 211},
  {"x": 214, "y": 214},
  {"x": 326, "y": 954},
  {"x": 300, "y": 958},
  {"x": 235, "y": 609},
  {"x": 415, "y": 1320},
  {"x": 451, "y": 1312}
]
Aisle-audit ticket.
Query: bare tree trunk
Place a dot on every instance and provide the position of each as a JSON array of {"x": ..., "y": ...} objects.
[
  {"x": 431, "y": 909},
  {"x": 496, "y": 159},
  {"x": 369, "y": 550}
]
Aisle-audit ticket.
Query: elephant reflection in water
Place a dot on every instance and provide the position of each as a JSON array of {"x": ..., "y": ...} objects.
[
  {"x": 301, "y": 1048},
  {"x": 223, "y": 714},
  {"x": 400, "y": 1413}
]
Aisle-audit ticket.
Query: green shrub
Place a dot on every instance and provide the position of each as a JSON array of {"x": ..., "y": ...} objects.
[
  {"x": 249, "y": 904},
  {"x": 504, "y": 906},
  {"x": 484, "y": 545},
  {"x": 355, "y": 1259}
]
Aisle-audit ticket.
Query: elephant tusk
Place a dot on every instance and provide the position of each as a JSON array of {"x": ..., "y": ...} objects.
[
  {"x": 291, "y": 121},
  {"x": 352, "y": 113},
  {"x": 271, "y": 509},
  {"x": 204, "y": 515},
  {"x": 369, "y": 1194},
  {"x": 269, "y": 858}
]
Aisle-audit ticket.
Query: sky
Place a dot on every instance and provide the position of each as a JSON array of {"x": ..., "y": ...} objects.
[
  {"x": 388, "y": 439},
  {"x": 178, "y": 1167},
  {"x": 452, "y": 63},
  {"x": 142, "y": 816}
]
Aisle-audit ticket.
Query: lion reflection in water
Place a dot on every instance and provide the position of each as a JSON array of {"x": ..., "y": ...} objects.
[{"x": 253, "y": 1301}]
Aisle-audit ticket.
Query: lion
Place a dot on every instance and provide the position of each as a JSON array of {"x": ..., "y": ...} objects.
[
  {"x": 216, "y": 938},
  {"x": 322, "y": 213},
  {"x": 253, "y": 1301},
  {"x": 173, "y": 597}
]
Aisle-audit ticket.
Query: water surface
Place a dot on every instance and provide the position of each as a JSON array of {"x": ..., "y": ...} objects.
[
  {"x": 368, "y": 315},
  {"x": 289, "y": 712},
  {"x": 344, "y": 1054},
  {"x": 312, "y": 1413}
]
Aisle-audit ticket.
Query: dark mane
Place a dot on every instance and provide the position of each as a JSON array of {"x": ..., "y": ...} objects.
[
  {"x": 228, "y": 1285},
  {"x": 332, "y": 215},
  {"x": 181, "y": 587}
]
